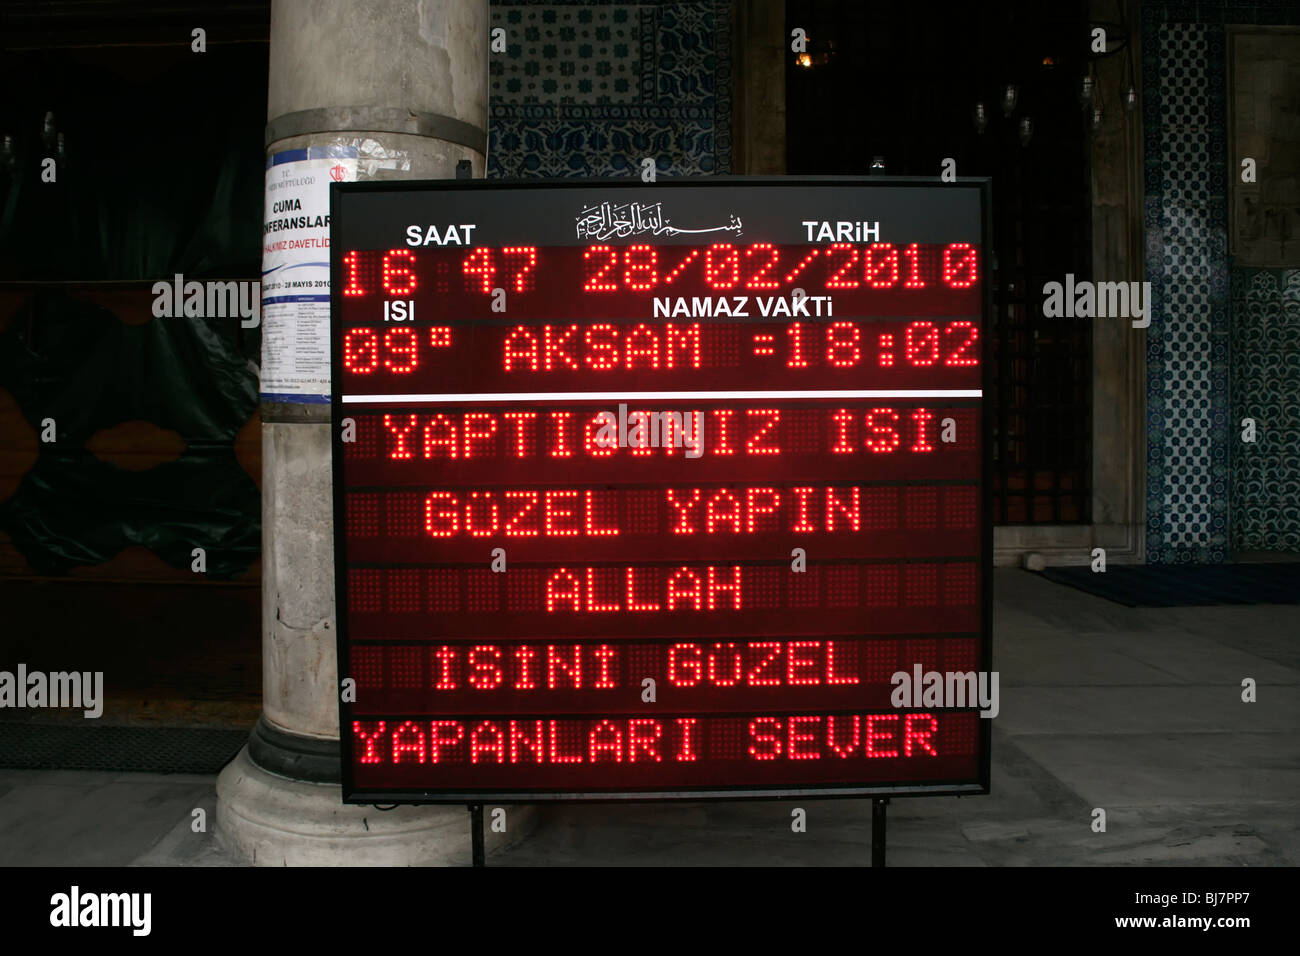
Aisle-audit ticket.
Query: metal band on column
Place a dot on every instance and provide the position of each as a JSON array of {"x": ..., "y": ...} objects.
[
  {"x": 313, "y": 759},
  {"x": 377, "y": 119}
]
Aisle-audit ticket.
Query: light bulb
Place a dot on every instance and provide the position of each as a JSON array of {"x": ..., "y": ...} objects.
[
  {"x": 1010, "y": 97},
  {"x": 1026, "y": 130}
]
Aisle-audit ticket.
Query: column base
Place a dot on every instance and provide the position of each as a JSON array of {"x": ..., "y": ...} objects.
[{"x": 269, "y": 820}]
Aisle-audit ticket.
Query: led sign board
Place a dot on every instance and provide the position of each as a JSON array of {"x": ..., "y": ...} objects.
[{"x": 650, "y": 488}]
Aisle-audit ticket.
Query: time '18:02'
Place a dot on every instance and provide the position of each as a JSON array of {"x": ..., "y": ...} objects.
[{"x": 662, "y": 346}]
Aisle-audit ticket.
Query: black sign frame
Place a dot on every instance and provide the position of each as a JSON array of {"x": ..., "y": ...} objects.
[{"x": 339, "y": 227}]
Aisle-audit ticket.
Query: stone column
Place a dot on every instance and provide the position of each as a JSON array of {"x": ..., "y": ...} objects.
[
  {"x": 1119, "y": 428},
  {"x": 762, "y": 50},
  {"x": 406, "y": 82}
]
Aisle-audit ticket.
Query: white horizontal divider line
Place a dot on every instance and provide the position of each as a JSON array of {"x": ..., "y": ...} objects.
[{"x": 461, "y": 397}]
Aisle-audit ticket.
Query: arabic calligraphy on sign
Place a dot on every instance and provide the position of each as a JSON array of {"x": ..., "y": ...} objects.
[{"x": 605, "y": 220}]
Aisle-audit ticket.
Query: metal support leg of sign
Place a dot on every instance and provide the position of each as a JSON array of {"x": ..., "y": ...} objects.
[
  {"x": 479, "y": 858},
  {"x": 878, "y": 830}
]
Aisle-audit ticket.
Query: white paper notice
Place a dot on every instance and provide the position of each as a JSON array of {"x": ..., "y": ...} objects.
[{"x": 296, "y": 271}]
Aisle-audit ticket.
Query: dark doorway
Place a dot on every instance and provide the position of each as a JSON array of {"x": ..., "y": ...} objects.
[
  {"x": 160, "y": 168},
  {"x": 899, "y": 85}
]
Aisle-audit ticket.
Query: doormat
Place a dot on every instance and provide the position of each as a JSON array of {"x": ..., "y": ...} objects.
[
  {"x": 87, "y": 746},
  {"x": 1186, "y": 585}
]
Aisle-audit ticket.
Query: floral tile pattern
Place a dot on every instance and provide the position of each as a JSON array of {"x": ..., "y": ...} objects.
[
  {"x": 1266, "y": 388},
  {"x": 591, "y": 88},
  {"x": 1186, "y": 260},
  {"x": 1224, "y": 344}
]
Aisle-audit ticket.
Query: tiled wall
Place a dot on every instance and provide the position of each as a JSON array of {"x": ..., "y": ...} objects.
[
  {"x": 590, "y": 88},
  {"x": 1186, "y": 263},
  {"x": 1202, "y": 495},
  {"x": 1265, "y": 486}
]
